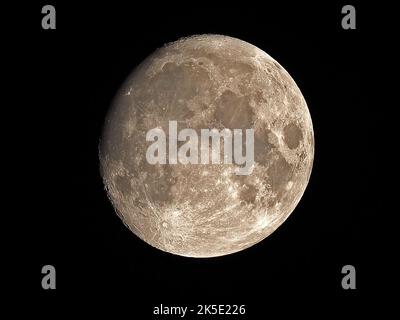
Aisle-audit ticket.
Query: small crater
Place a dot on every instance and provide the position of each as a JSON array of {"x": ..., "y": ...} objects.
[
  {"x": 165, "y": 224},
  {"x": 289, "y": 185}
]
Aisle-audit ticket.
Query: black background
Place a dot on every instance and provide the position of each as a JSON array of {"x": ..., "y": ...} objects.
[{"x": 69, "y": 78}]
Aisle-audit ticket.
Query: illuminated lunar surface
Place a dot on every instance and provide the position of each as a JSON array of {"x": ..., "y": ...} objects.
[{"x": 207, "y": 81}]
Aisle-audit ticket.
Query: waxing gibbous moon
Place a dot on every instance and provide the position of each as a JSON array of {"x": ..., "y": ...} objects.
[{"x": 206, "y": 210}]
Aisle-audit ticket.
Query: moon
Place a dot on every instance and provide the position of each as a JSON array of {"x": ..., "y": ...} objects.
[{"x": 206, "y": 210}]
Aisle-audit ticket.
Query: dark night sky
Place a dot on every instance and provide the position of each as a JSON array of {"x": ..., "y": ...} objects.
[{"x": 75, "y": 71}]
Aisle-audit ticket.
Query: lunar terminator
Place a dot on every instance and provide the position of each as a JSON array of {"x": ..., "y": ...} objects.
[{"x": 206, "y": 210}]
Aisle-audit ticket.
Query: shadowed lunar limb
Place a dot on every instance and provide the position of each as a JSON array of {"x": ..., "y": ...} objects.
[{"x": 207, "y": 81}]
